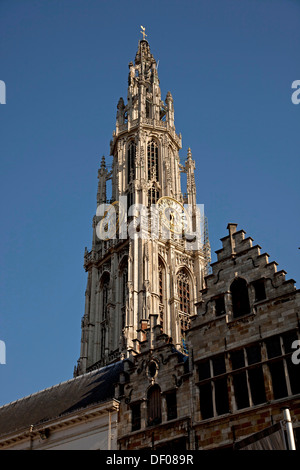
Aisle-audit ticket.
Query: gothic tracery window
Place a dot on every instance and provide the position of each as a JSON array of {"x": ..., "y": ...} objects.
[
  {"x": 152, "y": 154},
  {"x": 184, "y": 291},
  {"x": 161, "y": 280}
]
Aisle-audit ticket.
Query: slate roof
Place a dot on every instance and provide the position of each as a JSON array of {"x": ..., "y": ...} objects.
[{"x": 75, "y": 394}]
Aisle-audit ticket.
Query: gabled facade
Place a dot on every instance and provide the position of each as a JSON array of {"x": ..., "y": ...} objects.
[
  {"x": 243, "y": 342},
  {"x": 241, "y": 371}
]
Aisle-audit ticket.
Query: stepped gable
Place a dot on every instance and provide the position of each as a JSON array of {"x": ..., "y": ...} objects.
[
  {"x": 240, "y": 258},
  {"x": 154, "y": 349},
  {"x": 245, "y": 299}
]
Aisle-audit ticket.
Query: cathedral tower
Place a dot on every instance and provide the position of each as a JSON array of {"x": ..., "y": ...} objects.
[{"x": 144, "y": 258}]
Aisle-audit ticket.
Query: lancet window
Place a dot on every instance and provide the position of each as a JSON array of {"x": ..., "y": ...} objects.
[{"x": 131, "y": 154}]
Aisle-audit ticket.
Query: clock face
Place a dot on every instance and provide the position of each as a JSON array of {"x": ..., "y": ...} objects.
[
  {"x": 112, "y": 218},
  {"x": 173, "y": 215}
]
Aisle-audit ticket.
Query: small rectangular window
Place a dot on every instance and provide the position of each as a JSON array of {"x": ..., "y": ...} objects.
[
  {"x": 260, "y": 291},
  {"x": 171, "y": 405},
  {"x": 220, "y": 306},
  {"x": 136, "y": 417}
]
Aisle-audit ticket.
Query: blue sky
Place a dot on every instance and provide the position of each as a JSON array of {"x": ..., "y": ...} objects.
[{"x": 229, "y": 65}]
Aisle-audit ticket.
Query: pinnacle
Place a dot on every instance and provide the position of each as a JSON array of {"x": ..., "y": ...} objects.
[{"x": 103, "y": 164}]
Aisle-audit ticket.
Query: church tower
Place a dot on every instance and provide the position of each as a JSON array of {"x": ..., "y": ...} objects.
[{"x": 145, "y": 257}]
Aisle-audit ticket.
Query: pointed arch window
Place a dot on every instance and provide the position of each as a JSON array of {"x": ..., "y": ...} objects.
[
  {"x": 240, "y": 298},
  {"x": 131, "y": 154},
  {"x": 152, "y": 154}
]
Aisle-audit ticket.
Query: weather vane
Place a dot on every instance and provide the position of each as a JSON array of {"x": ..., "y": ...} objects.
[{"x": 143, "y": 32}]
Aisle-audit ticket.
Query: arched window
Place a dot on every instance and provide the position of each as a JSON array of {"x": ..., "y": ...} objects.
[
  {"x": 131, "y": 152},
  {"x": 184, "y": 294},
  {"x": 152, "y": 153},
  {"x": 154, "y": 405},
  {"x": 240, "y": 298}
]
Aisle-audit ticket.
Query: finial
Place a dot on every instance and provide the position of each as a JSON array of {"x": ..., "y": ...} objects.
[
  {"x": 143, "y": 32},
  {"x": 189, "y": 154}
]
